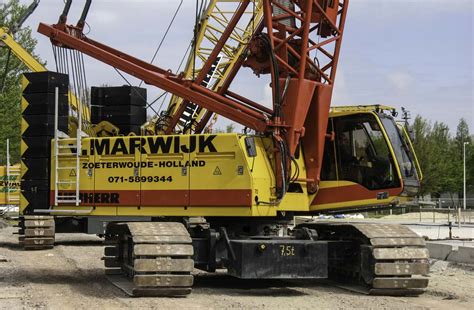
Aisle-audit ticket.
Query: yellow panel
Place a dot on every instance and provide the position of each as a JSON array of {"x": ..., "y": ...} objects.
[
  {"x": 221, "y": 176},
  {"x": 225, "y": 168},
  {"x": 165, "y": 175},
  {"x": 263, "y": 179}
]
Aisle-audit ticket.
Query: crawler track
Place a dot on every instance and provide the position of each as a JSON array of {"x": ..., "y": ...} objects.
[
  {"x": 36, "y": 232},
  {"x": 149, "y": 259},
  {"x": 377, "y": 259}
]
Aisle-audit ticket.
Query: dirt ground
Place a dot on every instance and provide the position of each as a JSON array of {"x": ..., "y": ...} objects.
[{"x": 70, "y": 276}]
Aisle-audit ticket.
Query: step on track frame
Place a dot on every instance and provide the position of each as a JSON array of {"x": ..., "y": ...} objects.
[
  {"x": 150, "y": 258},
  {"x": 36, "y": 232},
  {"x": 379, "y": 259}
]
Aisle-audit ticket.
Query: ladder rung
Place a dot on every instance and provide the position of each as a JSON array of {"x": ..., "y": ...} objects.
[
  {"x": 67, "y": 146},
  {"x": 70, "y": 151}
]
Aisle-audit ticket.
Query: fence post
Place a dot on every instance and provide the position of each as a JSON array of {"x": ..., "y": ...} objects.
[{"x": 459, "y": 217}]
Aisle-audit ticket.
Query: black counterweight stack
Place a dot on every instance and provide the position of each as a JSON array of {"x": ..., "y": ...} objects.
[
  {"x": 37, "y": 131},
  {"x": 123, "y": 106}
]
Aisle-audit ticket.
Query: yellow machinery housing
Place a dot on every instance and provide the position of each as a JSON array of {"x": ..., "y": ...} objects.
[{"x": 232, "y": 174}]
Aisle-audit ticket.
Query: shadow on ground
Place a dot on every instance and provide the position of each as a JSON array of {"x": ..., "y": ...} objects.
[
  {"x": 79, "y": 242},
  {"x": 14, "y": 246},
  {"x": 227, "y": 285}
]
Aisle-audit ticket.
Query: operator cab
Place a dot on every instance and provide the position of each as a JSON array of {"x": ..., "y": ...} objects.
[{"x": 368, "y": 149}]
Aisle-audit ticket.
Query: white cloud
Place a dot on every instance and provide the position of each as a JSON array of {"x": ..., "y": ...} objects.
[
  {"x": 340, "y": 93},
  {"x": 401, "y": 81},
  {"x": 106, "y": 17},
  {"x": 267, "y": 97}
]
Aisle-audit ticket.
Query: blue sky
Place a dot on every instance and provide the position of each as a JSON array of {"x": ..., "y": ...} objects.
[
  {"x": 412, "y": 53},
  {"x": 416, "y": 54}
]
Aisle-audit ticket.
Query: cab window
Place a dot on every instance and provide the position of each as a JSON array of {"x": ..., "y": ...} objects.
[{"x": 362, "y": 153}]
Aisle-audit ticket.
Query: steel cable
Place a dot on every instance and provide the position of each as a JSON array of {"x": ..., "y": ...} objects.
[{"x": 164, "y": 36}]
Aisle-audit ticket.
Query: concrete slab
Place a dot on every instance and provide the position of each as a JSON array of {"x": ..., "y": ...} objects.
[
  {"x": 439, "y": 250},
  {"x": 464, "y": 255},
  {"x": 441, "y": 231},
  {"x": 451, "y": 252}
]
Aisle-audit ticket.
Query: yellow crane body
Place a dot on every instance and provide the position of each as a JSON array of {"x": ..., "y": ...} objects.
[{"x": 204, "y": 175}]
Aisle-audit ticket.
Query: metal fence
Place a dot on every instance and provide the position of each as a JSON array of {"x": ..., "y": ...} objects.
[{"x": 452, "y": 203}]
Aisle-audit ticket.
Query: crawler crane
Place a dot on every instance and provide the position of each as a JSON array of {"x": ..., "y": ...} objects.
[{"x": 228, "y": 200}]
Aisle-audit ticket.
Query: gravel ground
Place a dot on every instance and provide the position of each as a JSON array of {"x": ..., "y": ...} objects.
[{"x": 70, "y": 276}]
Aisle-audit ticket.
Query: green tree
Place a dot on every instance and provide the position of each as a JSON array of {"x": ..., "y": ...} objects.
[
  {"x": 230, "y": 128},
  {"x": 421, "y": 130},
  {"x": 470, "y": 166},
  {"x": 440, "y": 151},
  {"x": 436, "y": 153},
  {"x": 462, "y": 136},
  {"x": 11, "y": 70}
]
